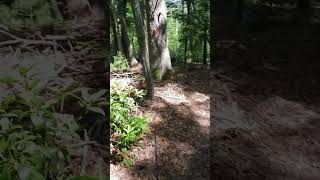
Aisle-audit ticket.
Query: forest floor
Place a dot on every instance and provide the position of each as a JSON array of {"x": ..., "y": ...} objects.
[
  {"x": 266, "y": 121},
  {"x": 74, "y": 67},
  {"x": 177, "y": 146}
]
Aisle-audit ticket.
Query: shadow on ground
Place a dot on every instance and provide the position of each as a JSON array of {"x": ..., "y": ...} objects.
[
  {"x": 280, "y": 99},
  {"x": 182, "y": 135}
]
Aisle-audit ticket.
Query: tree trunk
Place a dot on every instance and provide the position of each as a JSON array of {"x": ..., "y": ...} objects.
[
  {"x": 205, "y": 35},
  {"x": 159, "y": 50},
  {"x": 116, "y": 27},
  {"x": 127, "y": 46},
  {"x": 205, "y": 43},
  {"x": 115, "y": 39},
  {"x": 143, "y": 45},
  {"x": 108, "y": 38},
  {"x": 185, "y": 50},
  {"x": 212, "y": 34},
  {"x": 188, "y": 36},
  {"x": 98, "y": 10}
]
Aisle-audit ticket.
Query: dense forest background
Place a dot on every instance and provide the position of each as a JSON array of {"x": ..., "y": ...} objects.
[{"x": 188, "y": 30}]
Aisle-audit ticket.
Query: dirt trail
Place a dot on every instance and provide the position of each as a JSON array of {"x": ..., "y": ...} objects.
[
  {"x": 180, "y": 130},
  {"x": 267, "y": 126}
]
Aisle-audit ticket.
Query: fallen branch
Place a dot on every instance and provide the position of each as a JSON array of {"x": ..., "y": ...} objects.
[
  {"x": 58, "y": 37},
  {"x": 124, "y": 74},
  {"x": 26, "y": 42},
  {"x": 9, "y": 42}
]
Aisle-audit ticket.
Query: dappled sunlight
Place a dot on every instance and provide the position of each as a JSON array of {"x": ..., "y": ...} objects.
[
  {"x": 177, "y": 145},
  {"x": 187, "y": 103},
  {"x": 172, "y": 94},
  {"x": 179, "y": 133}
]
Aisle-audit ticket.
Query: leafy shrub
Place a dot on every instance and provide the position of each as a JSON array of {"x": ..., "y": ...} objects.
[
  {"x": 126, "y": 127},
  {"x": 26, "y": 13},
  {"x": 119, "y": 63},
  {"x": 32, "y": 133}
]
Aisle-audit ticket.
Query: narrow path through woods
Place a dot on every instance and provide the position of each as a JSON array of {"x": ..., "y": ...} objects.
[{"x": 180, "y": 131}]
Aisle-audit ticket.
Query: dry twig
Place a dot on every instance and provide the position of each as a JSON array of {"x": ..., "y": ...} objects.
[{"x": 26, "y": 42}]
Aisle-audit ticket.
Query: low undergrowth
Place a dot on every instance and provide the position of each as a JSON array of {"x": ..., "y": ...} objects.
[
  {"x": 36, "y": 133},
  {"x": 127, "y": 126}
]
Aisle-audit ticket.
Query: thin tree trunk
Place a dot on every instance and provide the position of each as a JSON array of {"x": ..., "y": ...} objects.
[
  {"x": 185, "y": 40},
  {"x": 127, "y": 46},
  {"x": 108, "y": 39},
  {"x": 143, "y": 45},
  {"x": 188, "y": 37},
  {"x": 185, "y": 50},
  {"x": 114, "y": 33},
  {"x": 116, "y": 26},
  {"x": 212, "y": 33},
  {"x": 205, "y": 37}
]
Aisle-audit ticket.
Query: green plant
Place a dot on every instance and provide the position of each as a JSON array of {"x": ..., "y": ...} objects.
[
  {"x": 119, "y": 63},
  {"x": 93, "y": 102},
  {"x": 28, "y": 127},
  {"x": 126, "y": 127},
  {"x": 32, "y": 133},
  {"x": 128, "y": 162}
]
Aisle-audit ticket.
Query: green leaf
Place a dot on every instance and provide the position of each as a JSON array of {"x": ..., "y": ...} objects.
[
  {"x": 36, "y": 120},
  {"x": 5, "y": 123},
  {"x": 98, "y": 94},
  {"x": 96, "y": 110},
  {"x": 24, "y": 172},
  {"x": 61, "y": 155},
  {"x": 6, "y": 173},
  {"x": 9, "y": 115},
  {"x": 24, "y": 70},
  {"x": 85, "y": 95},
  {"x": 3, "y": 146},
  {"x": 8, "y": 80}
]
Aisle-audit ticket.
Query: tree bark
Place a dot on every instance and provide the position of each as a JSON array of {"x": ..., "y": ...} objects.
[
  {"x": 127, "y": 46},
  {"x": 185, "y": 39},
  {"x": 212, "y": 33},
  {"x": 115, "y": 39},
  {"x": 159, "y": 50},
  {"x": 205, "y": 43},
  {"x": 116, "y": 27},
  {"x": 143, "y": 45}
]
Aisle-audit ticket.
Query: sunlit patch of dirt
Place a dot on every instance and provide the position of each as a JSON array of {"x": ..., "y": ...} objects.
[
  {"x": 177, "y": 146},
  {"x": 172, "y": 94}
]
